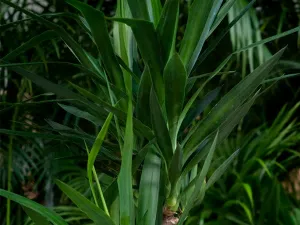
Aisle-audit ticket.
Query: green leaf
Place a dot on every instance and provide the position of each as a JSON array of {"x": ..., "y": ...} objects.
[
  {"x": 67, "y": 131},
  {"x": 195, "y": 95},
  {"x": 272, "y": 38},
  {"x": 97, "y": 23},
  {"x": 224, "y": 130},
  {"x": 154, "y": 9},
  {"x": 114, "y": 211},
  {"x": 71, "y": 43},
  {"x": 47, "y": 35},
  {"x": 97, "y": 145},
  {"x": 200, "y": 107},
  {"x": 88, "y": 71},
  {"x": 214, "y": 43},
  {"x": 284, "y": 76},
  {"x": 36, "y": 135},
  {"x": 112, "y": 191},
  {"x": 149, "y": 189},
  {"x": 248, "y": 190},
  {"x": 11, "y": 24},
  {"x": 244, "y": 207},
  {"x": 140, "y": 129},
  {"x": 176, "y": 165},
  {"x": 139, "y": 9},
  {"x": 167, "y": 28},
  {"x": 194, "y": 78},
  {"x": 197, "y": 197},
  {"x": 221, "y": 170},
  {"x": 233, "y": 99},
  {"x": 124, "y": 43},
  {"x": 96, "y": 148},
  {"x": 175, "y": 79},
  {"x": 143, "y": 98},
  {"x": 59, "y": 90},
  {"x": 146, "y": 37},
  {"x": 201, "y": 16},
  {"x": 125, "y": 176},
  {"x": 81, "y": 114},
  {"x": 47, "y": 85},
  {"x": 235, "y": 219},
  {"x": 126, "y": 68},
  {"x": 160, "y": 128},
  {"x": 279, "y": 128},
  {"x": 273, "y": 196},
  {"x": 36, "y": 217},
  {"x": 174, "y": 177},
  {"x": 235, "y": 117},
  {"x": 92, "y": 211},
  {"x": 221, "y": 15},
  {"x": 43, "y": 211},
  {"x": 264, "y": 166}
]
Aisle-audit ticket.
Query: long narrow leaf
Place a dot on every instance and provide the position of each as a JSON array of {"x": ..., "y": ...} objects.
[
  {"x": 154, "y": 9},
  {"x": 232, "y": 100},
  {"x": 141, "y": 129},
  {"x": 222, "y": 34},
  {"x": 149, "y": 189},
  {"x": 125, "y": 177},
  {"x": 97, "y": 23},
  {"x": 221, "y": 170},
  {"x": 175, "y": 79},
  {"x": 143, "y": 98},
  {"x": 81, "y": 114},
  {"x": 200, "y": 107},
  {"x": 96, "y": 148},
  {"x": 199, "y": 183},
  {"x": 167, "y": 28},
  {"x": 195, "y": 95},
  {"x": 224, "y": 130},
  {"x": 36, "y": 217},
  {"x": 160, "y": 127},
  {"x": 47, "y": 35},
  {"x": 221, "y": 15},
  {"x": 71, "y": 43},
  {"x": 92, "y": 211},
  {"x": 146, "y": 37},
  {"x": 45, "y": 212},
  {"x": 139, "y": 9},
  {"x": 58, "y": 90},
  {"x": 201, "y": 16}
]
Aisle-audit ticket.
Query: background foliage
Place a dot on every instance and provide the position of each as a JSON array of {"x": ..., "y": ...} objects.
[{"x": 243, "y": 193}]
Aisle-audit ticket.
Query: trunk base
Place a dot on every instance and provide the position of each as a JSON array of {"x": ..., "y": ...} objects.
[{"x": 170, "y": 217}]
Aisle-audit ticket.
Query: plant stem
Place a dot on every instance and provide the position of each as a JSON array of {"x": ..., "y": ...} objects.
[
  {"x": 10, "y": 153},
  {"x": 100, "y": 191},
  {"x": 91, "y": 184},
  {"x": 98, "y": 186},
  {"x": 22, "y": 88}
]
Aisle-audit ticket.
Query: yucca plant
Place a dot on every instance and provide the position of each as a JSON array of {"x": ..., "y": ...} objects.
[
  {"x": 249, "y": 192},
  {"x": 143, "y": 103}
]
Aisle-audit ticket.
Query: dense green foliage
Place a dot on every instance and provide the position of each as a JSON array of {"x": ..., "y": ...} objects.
[
  {"x": 144, "y": 117},
  {"x": 251, "y": 190}
]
